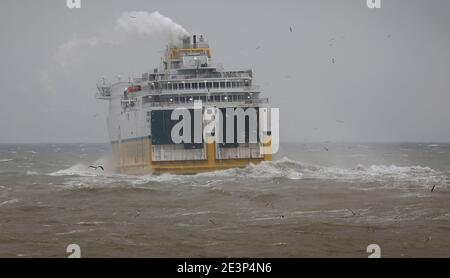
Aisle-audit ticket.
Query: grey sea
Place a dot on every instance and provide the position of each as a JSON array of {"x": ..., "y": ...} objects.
[{"x": 313, "y": 200}]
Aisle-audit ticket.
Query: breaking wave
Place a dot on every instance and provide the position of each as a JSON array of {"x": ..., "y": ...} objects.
[
  {"x": 294, "y": 170},
  {"x": 76, "y": 170},
  {"x": 84, "y": 170},
  {"x": 284, "y": 168},
  {"x": 32, "y": 173},
  {"x": 9, "y": 202}
]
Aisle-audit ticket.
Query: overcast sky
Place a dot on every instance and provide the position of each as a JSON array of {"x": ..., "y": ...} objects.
[{"x": 389, "y": 82}]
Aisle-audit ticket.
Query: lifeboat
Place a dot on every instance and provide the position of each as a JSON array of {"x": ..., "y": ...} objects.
[{"x": 134, "y": 89}]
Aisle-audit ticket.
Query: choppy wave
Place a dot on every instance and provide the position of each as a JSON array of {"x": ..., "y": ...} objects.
[
  {"x": 84, "y": 170},
  {"x": 32, "y": 173},
  {"x": 5, "y": 160},
  {"x": 284, "y": 168},
  {"x": 9, "y": 202},
  {"x": 75, "y": 170}
]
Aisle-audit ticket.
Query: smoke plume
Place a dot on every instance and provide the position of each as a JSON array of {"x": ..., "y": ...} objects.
[{"x": 129, "y": 24}]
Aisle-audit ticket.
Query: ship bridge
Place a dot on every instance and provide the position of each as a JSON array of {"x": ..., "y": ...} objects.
[{"x": 189, "y": 55}]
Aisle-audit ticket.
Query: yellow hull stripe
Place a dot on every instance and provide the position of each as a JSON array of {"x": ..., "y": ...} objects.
[{"x": 135, "y": 157}]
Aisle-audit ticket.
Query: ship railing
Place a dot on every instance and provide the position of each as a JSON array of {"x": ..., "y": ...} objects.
[
  {"x": 255, "y": 101},
  {"x": 253, "y": 88},
  {"x": 230, "y": 75},
  {"x": 104, "y": 92}
]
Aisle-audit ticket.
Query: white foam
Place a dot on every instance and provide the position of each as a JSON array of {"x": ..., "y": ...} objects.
[
  {"x": 12, "y": 201},
  {"x": 83, "y": 170},
  {"x": 32, "y": 173},
  {"x": 5, "y": 160},
  {"x": 293, "y": 170},
  {"x": 94, "y": 223},
  {"x": 76, "y": 170},
  {"x": 285, "y": 168}
]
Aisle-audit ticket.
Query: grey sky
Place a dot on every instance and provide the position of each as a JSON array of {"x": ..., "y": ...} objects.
[{"x": 390, "y": 80}]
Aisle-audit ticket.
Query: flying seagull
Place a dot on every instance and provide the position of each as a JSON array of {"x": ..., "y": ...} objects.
[
  {"x": 290, "y": 29},
  {"x": 138, "y": 213},
  {"x": 132, "y": 16},
  {"x": 352, "y": 212},
  {"x": 432, "y": 189},
  {"x": 332, "y": 60},
  {"x": 97, "y": 167}
]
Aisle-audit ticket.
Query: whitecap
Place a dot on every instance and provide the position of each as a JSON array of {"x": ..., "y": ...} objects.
[
  {"x": 12, "y": 201},
  {"x": 32, "y": 173},
  {"x": 76, "y": 170},
  {"x": 84, "y": 170},
  {"x": 284, "y": 168},
  {"x": 94, "y": 223}
]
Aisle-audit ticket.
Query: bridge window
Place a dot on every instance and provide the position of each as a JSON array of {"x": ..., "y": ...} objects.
[
  {"x": 187, "y": 86},
  {"x": 208, "y": 85},
  {"x": 222, "y": 84},
  {"x": 194, "y": 86},
  {"x": 216, "y": 84}
]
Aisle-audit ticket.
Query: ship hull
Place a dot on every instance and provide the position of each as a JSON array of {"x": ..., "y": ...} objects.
[{"x": 138, "y": 161}]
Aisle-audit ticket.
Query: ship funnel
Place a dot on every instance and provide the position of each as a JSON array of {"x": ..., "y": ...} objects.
[
  {"x": 194, "y": 38},
  {"x": 187, "y": 42}
]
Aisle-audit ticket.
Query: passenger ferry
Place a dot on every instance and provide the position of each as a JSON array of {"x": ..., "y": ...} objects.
[{"x": 141, "y": 118}]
